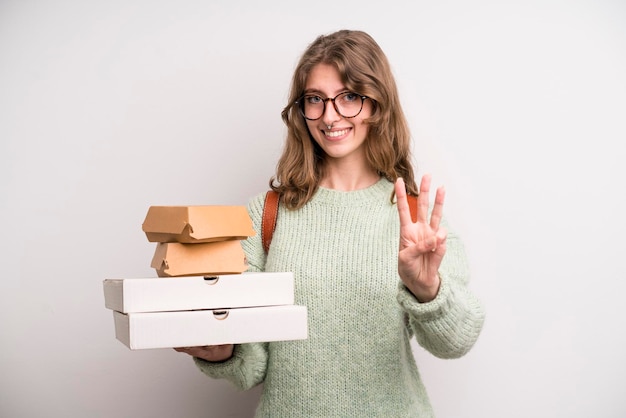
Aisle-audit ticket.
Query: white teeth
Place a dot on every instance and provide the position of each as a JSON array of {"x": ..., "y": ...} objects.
[{"x": 336, "y": 134}]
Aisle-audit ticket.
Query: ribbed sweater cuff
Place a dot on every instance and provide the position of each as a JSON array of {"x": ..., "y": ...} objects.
[
  {"x": 428, "y": 310},
  {"x": 245, "y": 369},
  {"x": 447, "y": 326}
]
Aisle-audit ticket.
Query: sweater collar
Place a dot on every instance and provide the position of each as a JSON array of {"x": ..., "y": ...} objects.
[{"x": 382, "y": 189}]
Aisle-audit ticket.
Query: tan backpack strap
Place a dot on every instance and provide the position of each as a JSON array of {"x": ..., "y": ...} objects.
[
  {"x": 412, "y": 201},
  {"x": 268, "y": 223}
]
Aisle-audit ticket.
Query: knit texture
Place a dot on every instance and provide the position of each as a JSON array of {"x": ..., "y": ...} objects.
[{"x": 357, "y": 361}]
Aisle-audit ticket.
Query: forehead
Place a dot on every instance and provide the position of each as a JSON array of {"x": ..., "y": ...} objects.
[{"x": 325, "y": 79}]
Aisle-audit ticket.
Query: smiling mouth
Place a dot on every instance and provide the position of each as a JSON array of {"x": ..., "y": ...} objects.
[{"x": 336, "y": 134}]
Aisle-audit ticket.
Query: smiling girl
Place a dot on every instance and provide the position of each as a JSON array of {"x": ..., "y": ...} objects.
[{"x": 371, "y": 277}]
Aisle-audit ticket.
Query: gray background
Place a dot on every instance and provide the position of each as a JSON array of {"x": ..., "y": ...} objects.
[{"x": 106, "y": 108}]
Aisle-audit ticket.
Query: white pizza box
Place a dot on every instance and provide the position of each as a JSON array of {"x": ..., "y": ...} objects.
[
  {"x": 144, "y": 330},
  {"x": 156, "y": 294}
]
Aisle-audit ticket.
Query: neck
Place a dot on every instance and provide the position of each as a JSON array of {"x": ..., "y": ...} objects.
[{"x": 348, "y": 178}]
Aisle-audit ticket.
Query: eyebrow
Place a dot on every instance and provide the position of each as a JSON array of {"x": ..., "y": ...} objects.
[{"x": 320, "y": 93}]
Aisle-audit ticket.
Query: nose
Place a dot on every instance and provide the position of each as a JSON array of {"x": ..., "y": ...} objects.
[{"x": 330, "y": 115}]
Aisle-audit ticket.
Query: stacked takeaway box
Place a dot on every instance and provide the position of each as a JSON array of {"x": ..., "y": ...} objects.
[{"x": 203, "y": 294}]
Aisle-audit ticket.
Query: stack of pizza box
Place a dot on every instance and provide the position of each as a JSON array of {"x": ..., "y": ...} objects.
[{"x": 202, "y": 294}]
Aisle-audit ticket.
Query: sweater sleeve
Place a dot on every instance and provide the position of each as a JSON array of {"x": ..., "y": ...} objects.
[
  {"x": 245, "y": 369},
  {"x": 253, "y": 246},
  {"x": 449, "y": 325},
  {"x": 248, "y": 365}
]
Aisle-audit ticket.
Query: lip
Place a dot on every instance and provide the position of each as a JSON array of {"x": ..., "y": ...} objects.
[{"x": 335, "y": 133}]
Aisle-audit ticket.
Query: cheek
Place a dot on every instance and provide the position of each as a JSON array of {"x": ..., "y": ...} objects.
[
  {"x": 312, "y": 128},
  {"x": 361, "y": 127},
  {"x": 366, "y": 113},
  {"x": 314, "y": 133},
  {"x": 368, "y": 110}
]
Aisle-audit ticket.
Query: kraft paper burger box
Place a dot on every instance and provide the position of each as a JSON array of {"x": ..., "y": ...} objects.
[
  {"x": 222, "y": 257},
  {"x": 196, "y": 224},
  {"x": 197, "y": 292},
  {"x": 211, "y": 327}
]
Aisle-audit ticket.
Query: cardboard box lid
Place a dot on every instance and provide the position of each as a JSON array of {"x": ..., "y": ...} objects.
[
  {"x": 162, "y": 294},
  {"x": 194, "y": 224},
  {"x": 221, "y": 257}
]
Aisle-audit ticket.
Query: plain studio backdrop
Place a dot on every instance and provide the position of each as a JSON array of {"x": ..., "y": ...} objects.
[{"x": 107, "y": 108}]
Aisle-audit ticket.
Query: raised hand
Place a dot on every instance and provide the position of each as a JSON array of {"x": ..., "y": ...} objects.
[{"x": 422, "y": 243}]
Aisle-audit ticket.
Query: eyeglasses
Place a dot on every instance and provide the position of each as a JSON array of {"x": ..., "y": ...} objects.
[{"x": 347, "y": 104}]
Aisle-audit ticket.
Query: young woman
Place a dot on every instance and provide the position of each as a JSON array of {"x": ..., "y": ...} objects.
[{"x": 371, "y": 278}]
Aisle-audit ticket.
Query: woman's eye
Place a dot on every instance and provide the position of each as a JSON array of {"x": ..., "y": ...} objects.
[
  {"x": 313, "y": 99},
  {"x": 350, "y": 97}
]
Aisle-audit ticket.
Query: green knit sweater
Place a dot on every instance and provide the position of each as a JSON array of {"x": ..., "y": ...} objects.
[{"x": 357, "y": 361}]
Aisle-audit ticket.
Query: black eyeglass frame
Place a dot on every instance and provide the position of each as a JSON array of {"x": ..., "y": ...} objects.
[{"x": 300, "y": 104}]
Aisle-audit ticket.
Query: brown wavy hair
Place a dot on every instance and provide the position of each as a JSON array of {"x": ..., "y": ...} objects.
[{"x": 364, "y": 69}]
